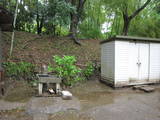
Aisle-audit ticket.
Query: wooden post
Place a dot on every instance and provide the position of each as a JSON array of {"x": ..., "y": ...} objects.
[
  {"x": 1, "y": 51},
  {"x": 1, "y": 68}
]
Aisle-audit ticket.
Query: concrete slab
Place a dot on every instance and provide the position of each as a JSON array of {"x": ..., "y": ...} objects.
[{"x": 145, "y": 88}]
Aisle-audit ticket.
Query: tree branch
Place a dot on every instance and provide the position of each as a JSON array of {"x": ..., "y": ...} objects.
[
  {"x": 140, "y": 9},
  {"x": 81, "y": 5}
]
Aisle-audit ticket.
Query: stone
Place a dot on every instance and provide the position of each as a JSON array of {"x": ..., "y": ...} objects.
[
  {"x": 66, "y": 95},
  {"x": 136, "y": 87},
  {"x": 147, "y": 89},
  {"x": 51, "y": 91}
]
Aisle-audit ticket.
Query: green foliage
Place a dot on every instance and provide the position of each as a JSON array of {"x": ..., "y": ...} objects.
[
  {"x": 20, "y": 70},
  {"x": 62, "y": 30},
  {"x": 89, "y": 70},
  {"x": 91, "y": 26},
  {"x": 147, "y": 24},
  {"x": 56, "y": 19},
  {"x": 90, "y": 32},
  {"x": 66, "y": 69},
  {"x": 50, "y": 13}
]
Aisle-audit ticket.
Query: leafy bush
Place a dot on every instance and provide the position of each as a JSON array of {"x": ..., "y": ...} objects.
[
  {"x": 20, "y": 70},
  {"x": 66, "y": 69},
  {"x": 88, "y": 71}
]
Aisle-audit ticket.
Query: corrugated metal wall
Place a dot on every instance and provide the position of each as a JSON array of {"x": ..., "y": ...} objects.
[
  {"x": 121, "y": 61},
  {"x": 154, "y": 73},
  {"x": 107, "y": 60}
]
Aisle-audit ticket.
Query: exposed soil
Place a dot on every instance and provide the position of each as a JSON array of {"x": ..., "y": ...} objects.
[{"x": 41, "y": 49}]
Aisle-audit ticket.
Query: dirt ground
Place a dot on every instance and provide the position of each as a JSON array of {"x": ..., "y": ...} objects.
[
  {"x": 45, "y": 47},
  {"x": 92, "y": 101}
]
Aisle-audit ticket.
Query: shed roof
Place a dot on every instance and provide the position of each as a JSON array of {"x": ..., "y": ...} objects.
[{"x": 131, "y": 38}]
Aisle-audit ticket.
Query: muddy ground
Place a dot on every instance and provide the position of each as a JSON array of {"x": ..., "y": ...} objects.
[{"x": 92, "y": 101}]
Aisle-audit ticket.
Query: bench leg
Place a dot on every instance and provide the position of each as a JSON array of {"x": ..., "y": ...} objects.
[
  {"x": 40, "y": 87},
  {"x": 57, "y": 88}
]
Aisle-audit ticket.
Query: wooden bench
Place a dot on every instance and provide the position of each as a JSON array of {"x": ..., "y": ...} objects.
[{"x": 48, "y": 79}]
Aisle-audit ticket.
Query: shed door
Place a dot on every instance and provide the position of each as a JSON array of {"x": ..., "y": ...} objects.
[
  {"x": 139, "y": 62},
  {"x": 133, "y": 59},
  {"x": 144, "y": 61}
]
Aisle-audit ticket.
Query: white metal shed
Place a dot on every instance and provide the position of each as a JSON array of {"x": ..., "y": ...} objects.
[{"x": 129, "y": 60}]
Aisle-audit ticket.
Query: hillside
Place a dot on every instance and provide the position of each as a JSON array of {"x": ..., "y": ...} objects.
[{"x": 40, "y": 49}]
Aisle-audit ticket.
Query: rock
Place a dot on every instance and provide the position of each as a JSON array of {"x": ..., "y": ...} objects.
[
  {"x": 51, "y": 91},
  {"x": 144, "y": 88},
  {"x": 66, "y": 95},
  {"x": 147, "y": 89},
  {"x": 136, "y": 87}
]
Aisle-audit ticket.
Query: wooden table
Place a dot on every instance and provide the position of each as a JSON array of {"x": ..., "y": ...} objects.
[{"x": 48, "y": 79}]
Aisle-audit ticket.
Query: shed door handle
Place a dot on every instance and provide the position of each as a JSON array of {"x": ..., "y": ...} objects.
[{"x": 138, "y": 63}]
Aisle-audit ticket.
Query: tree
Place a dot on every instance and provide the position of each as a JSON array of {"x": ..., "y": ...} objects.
[
  {"x": 58, "y": 14},
  {"x": 85, "y": 18},
  {"x": 147, "y": 23},
  {"x": 40, "y": 16},
  {"x": 93, "y": 19},
  {"x": 75, "y": 18},
  {"x": 127, "y": 19}
]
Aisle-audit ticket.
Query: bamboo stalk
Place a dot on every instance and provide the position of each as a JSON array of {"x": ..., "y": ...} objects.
[{"x": 13, "y": 33}]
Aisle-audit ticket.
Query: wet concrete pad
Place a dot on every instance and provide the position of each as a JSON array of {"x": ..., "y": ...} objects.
[
  {"x": 5, "y": 105},
  {"x": 138, "y": 108},
  {"x": 40, "y": 117},
  {"x": 51, "y": 105}
]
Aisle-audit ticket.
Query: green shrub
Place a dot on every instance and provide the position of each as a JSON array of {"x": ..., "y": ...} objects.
[
  {"x": 20, "y": 70},
  {"x": 89, "y": 70},
  {"x": 66, "y": 69}
]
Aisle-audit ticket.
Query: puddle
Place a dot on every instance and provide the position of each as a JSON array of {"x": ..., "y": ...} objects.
[{"x": 94, "y": 93}]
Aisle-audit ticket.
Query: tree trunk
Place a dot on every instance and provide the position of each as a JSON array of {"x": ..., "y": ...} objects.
[
  {"x": 75, "y": 17},
  {"x": 126, "y": 20},
  {"x": 37, "y": 20},
  {"x": 125, "y": 28},
  {"x": 74, "y": 20},
  {"x": 74, "y": 24},
  {"x": 39, "y": 24},
  {"x": 73, "y": 28},
  {"x": 14, "y": 25},
  {"x": 4, "y": 4}
]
